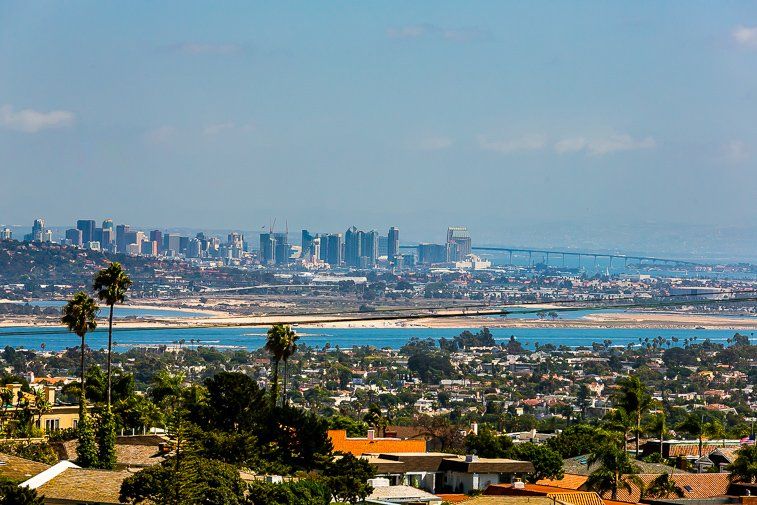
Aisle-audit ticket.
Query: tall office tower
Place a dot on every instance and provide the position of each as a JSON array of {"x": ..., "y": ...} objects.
[
  {"x": 6, "y": 234},
  {"x": 183, "y": 244},
  {"x": 172, "y": 243},
  {"x": 108, "y": 239},
  {"x": 283, "y": 251},
  {"x": 107, "y": 223},
  {"x": 157, "y": 236},
  {"x": 393, "y": 243},
  {"x": 38, "y": 231},
  {"x": 331, "y": 249},
  {"x": 353, "y": 241},
  {"x": 87, "y": 227},
  {"x": 47, "y": 235},
  {"x": 195, "y": 248},
  {"x": 121, "y": 231},
  {"x": 307, "y": 245},
  {"x": 267, "y": 248},
  {"x": 149, "y": 248},
  {"x": 74, "y": 237},
  {"x": 459, "y": 243},
  {"x": 369, "y": 249},
  {"x": 315, "y": 250}
]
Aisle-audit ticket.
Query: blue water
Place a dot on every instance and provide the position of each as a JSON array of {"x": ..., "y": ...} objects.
[
  {"x": 254, "y": 338},
  {"x": 126, "y": 311}
]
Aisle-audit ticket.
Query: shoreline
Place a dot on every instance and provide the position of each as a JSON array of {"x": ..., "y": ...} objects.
[{"x": 636, "y": 320}]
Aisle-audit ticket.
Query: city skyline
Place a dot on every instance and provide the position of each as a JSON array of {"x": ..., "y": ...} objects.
[{"x": 500, "y": 117}]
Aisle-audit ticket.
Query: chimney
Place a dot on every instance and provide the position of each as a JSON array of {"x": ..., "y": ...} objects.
[
  {"x": 50, "y": 394},
  {"x": 371, "y": 434},
  {"x": 518, "y": 484},
  {"x": 474, "y": 427}
]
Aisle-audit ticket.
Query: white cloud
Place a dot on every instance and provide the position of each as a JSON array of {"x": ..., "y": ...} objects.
[
  {"x": 603, "y": 145},
  {"x": 32, "y": 121},
  {"x": 745, "y": 35},
  {"x": 429, "y": 30},
  {"x": 160, "y": 135},
  {"x": 199, "y": 48},
  {"x": 215, "y": 129},
  {"x": 735, "y": 151},
  {"x": 434, "y": 143},
  {"x": 506, "y": 146}
]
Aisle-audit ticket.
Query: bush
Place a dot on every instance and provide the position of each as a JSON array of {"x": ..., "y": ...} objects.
[
  {"x": 41, "y": 452},
  {"x": 303, "y": 492}
]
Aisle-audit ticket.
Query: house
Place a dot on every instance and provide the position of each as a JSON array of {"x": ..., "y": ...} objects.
[
  {"x": 67, "y": 484},
  {"x": 438, "y": 472},
  {"x": 372, "y": 444},
  {"x": 56, "y": 417},
  {"x": 384, "y": 493}
]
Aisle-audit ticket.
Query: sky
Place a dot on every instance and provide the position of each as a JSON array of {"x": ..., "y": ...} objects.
[{"x": 507, "y": 117}]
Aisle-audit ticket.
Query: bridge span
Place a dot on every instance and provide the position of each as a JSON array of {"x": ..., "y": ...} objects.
[{"x": 625, "y": 258}]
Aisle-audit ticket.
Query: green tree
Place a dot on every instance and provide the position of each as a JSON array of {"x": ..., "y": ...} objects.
[
  {"x": 487, "y": 444},
  {"x": 302, "y": 492},
  {"x": 80, "y": 316},
  {"x": 694, "y": 425},
  {"x": 575, "y": 440},
  {"x": 110, "y": 285},
  {"x": 289, "y": 350},
  {"x": 619, "y": 420},
  {"x": 12, "y": 494},
  {"x": 635, "y": 400},
  {"x": 548, "y": 464},
  {"x": 614, "y": 469},
  {"x": 347, "y": 477},
  {"x": 196, "y": 481},
  {"x": 278, "y": 341},
  {"x": 744, "y": 468},
  {"x": 663, "y": 487},
  {"x": 658, "y": 425}
]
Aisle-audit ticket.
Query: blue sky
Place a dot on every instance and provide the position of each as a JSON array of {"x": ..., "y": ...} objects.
[{"x": 498, "y": 115}]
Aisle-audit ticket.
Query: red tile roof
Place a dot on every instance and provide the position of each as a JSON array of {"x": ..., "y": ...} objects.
[{"x": 358, "y": 446}]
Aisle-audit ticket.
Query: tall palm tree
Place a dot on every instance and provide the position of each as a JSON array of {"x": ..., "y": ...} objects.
[
  {"x": 620, "y": 421},
  {"x": 615, "y": 470},
  {"x": 110, "y": 285},
  {"x": 663, "y": 487},
  {"x": 279, "y": 336},
  {"x": 80, "y": 316},
  {"x": 694, "y": 425},
  {"x": 290, "y": 349},
  {"x": 635, "y": 400},
  {"x": 658, "y": 425}
]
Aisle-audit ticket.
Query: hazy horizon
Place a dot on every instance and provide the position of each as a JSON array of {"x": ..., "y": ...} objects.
[{"x": 574, "y": 124}]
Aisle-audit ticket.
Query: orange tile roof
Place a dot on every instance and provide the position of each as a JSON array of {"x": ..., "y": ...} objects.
[
  {"x": 567, "y": 496},
  {"x": 453, "y": 498},
  {"x": 569, "y": 481},
  {"x": 690, "y": 450},
  {"x": 577, "y": 498},
  {"x": 694, "y": 486},
  {"x": 358, "y": 446}
]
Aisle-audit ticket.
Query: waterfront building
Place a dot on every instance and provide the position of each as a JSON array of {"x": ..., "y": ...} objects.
[
  {"x": 332, "y": 249},
  {"x": 353, "y": 241},
  {"x": 267, "y": 248},
  {"x": 458, "y": 243},
  {"x": 432, "y": 253}
]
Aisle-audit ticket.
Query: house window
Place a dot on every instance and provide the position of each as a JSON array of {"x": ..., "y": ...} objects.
[
  {"x": 76, "y": 423},
  {"x": 52, "y": 425}
]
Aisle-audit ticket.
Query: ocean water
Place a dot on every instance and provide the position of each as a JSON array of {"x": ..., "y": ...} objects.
[{"x": 254, "y": 338}]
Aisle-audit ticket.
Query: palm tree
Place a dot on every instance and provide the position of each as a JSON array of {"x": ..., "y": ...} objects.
[
  {"x": 110, "y": 285},
  {"x": 694, "y": 425},
  {"x": 80, "y": 316},
  {"x": 290, "y": 349},
  {"x": 663, "y": 487},
  {"x": 620, "y": 421},
  {"x": 635, "y": 400},
  {"x": 659, "y": 426},
  {"x": 279, "y": 337},
  {"x": 615, "y": 470},
  {"x": 714, "y": 429}
]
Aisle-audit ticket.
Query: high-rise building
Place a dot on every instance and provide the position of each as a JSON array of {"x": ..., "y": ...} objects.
[
  {"x": 6, "y": 234},
  {"x": 432, "y": 253},
  {"x": 307, "y": 245},
  {"x": 87, "y": 227},
  {"x": 157, "y": 236},
  {"x": 369, "y": 245},
  {"x": 121, "y": 231},
  {"x": 108, "y": 238},
  {"x": 149, "y": 248},
  {"x": 172, "y": 243},
  {"x": 38, "y": 233},
  {"x": 282, "y": 248},
  {"x": 267, "y": 248},
  {"x": 331, "y": 249},
  {"x": 74, "y": 237},
  {"x": 353, "y": 241},
  {"x": 393, "y": 243},
  {"x": 458, "y": 243},
  {"x": 315, "y": 250}
]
